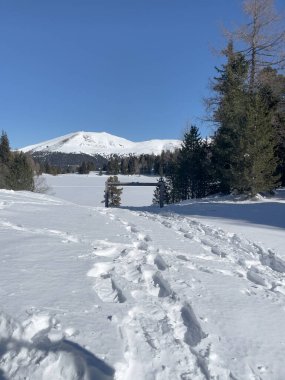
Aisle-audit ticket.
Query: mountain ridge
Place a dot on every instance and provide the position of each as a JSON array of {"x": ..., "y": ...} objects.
[{"x": 101, "y": 143}]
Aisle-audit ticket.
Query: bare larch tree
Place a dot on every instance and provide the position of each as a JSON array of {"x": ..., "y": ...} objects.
[{"x": 263, "y": 36}]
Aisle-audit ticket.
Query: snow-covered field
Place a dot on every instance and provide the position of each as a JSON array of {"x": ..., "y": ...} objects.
[
  {"x": 193, "y": 291},
  {"x": 88, "y": 190}
]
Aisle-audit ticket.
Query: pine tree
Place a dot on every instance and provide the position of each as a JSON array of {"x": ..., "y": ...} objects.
[
  {"x": 124, "y": 165},
  {"x": 114, "y": 192},
  {"x": 189, "y": 179},
  {"x": 244, "y": 143},
  {"x": 271, "y": 87},
  {"x": 156, "y": 195},
  {"x": 84, "y": 168},
  {"x": 21, "y": 175},
  {"x": 165, "y": 194},
  {"x": 5, "y": 151},
  {"x": 4, "y": 174},
  {"x": 229, "y": 114},
  {"x": 261, "y": 162}
]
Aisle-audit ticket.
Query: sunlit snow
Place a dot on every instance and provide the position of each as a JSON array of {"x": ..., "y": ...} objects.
[
  {"x": 192, "y": 291},
  {"x": 101, "y": 143}
]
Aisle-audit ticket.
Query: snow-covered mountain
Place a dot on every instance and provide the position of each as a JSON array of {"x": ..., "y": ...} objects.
[{"x": 101, "y": 143}]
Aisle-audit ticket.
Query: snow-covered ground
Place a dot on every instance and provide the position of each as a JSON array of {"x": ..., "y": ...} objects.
[
  {"x": 193, "y": 291},
  {"x": 88, "y": 190}
]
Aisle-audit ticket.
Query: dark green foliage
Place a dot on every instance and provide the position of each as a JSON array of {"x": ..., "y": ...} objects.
[
  {"x": 191, "y": 179},
  {"x": 113, "y": 165},
  {"x": 86, "y": 167},
  {"x": 21, "y": 175},
  {"x": 59, "y": 163},
  {"x": 156, "y": 197},
  {"x": 165, "y": 193},
  {"x": 260, "y": 160},
  {"x": 230, "y": 114},
  {"x": 133, "y": 165},
  {"x": 244, "y": 144},
  {"x": 83, "y": 168},
  {"x": 147, "y": 164},
  {"x": 5, "y": 152},
  {"x": 271, "y": 86},
  {"x": 4, "y": 174},
  {"x": 50, "y": 169},
  {"x": 16, "y": 168},
  {"x": 114, "y": 192}
]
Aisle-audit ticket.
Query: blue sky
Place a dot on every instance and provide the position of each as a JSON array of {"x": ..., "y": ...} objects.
[{"x": 138, "y": 69}]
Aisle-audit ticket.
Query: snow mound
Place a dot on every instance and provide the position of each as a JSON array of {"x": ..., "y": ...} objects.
[{"x": 37, "y": 349}]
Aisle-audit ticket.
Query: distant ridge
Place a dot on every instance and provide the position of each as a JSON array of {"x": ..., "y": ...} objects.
[{"x": 100, "y": 143}]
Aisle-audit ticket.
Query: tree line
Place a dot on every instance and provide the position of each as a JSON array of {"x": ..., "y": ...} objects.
[
  {"x": 144, "y": 164},
  {"x": 16, "y": 168},
  {"x": 246, "y": 154}
]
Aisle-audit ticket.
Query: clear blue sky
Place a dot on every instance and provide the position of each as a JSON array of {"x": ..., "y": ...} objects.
[{"x": 138, "y": 69}]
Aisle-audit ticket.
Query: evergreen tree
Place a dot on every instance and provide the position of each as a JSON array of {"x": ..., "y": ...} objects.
[
  {"x": 124, "y": 165},
  {"x": 4, "y": 174},
  {"x": 84, "y": 168},
  {"x": 271, "y": 87},
  {"x": 229, "y": 114},
  {"x": 114, "y": 192},
  {"x": 190, "y": 176},
  {"x": 173, "y": 190},
  {"x": 16, "y": 168},
  {"x": 165, "y": 194},
  {"x": 156, "y": 195},
  {"x": 21, "y": 175},
  {"x": 260, "y": 159},
  {"x": 244, "y": 143},
  {"x": 5, "y": 151}
]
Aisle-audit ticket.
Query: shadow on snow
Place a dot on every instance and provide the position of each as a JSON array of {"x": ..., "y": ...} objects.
[
  {"x": 267, "y": 214},
  {"x": 84, "y": 361}
]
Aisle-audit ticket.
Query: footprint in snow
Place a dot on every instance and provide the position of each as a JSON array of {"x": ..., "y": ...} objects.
[
  {"x": 164, "y": 288},
  {"x": 105, "y": 286},
  {"x": 141, "y": 245},
  {"x": 143, "y": 237},
  {"x": 166, "y": 224},
  {"x": 217, "y": 251},
  {"x": 182, "y": 257},
  {"x": 194, "y": 333},
  {"x": 160, "y": 263}
]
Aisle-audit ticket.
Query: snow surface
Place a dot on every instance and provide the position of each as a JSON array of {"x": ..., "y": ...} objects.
[
  {"x": 88, "y": 190},
  {"x": 193, "y": 291},
  {"x": 102, "y": 143}
]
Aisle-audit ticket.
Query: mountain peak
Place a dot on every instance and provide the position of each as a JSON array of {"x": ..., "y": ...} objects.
[{"x": 102, "y": 143}]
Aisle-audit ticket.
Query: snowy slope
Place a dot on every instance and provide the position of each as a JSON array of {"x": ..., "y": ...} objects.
[
  {"x": 94, "y": 293},
  {"x": 101, "y": 143}
]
